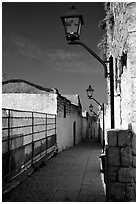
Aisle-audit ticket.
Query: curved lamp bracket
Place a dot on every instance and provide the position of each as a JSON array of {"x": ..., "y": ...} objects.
[{"x": 92, "y": 53}]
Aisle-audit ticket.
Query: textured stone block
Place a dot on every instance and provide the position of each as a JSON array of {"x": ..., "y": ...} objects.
[
  {"x": 113, "y": 156},
  {"x": 112, "y": 174},
  {"x": 134, "y": 174},
  {"x": 116, "y": 192},
  {"x": 134, "y": 161},
  {"x": 130, "y": 192},
  {"x": 134, "y": 144},
  {"x": 126, "y": 156},
  {"x": 112, "y": 137},
  {"x": 125, "y": 175},
  {"x": 124, "y": 138}
]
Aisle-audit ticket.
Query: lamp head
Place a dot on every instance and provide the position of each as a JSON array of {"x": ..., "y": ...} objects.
[
  {"x": 90, "y": 91},
  {"x": 72, "y": 22}
]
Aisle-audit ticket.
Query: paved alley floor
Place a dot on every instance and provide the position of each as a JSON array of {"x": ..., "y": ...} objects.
[{"x": 72, "y": 176}]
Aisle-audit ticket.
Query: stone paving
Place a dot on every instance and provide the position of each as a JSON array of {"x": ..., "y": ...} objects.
[{"x": 72, "y": 176}]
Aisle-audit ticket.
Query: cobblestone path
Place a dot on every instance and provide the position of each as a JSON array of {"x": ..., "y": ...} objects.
[{"x": 73, "y": 175}]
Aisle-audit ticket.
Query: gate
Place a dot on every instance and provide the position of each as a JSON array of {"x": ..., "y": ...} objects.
[{"x": 27, "y": 137}]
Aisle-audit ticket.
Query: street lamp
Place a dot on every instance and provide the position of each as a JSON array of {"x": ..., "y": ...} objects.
[
  {"x": 90, "y": 91},
  {"x": 73, "y": 22}
]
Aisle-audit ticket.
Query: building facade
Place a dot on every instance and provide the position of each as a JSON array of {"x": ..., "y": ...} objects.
[
  {"x": 120, "y": 43},
  {"x": 25, "y": 96}
]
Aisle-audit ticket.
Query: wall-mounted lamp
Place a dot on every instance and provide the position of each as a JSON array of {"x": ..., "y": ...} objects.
[
  {"x": 72, "y": 22},
  {"x": 90, "y": 91}
]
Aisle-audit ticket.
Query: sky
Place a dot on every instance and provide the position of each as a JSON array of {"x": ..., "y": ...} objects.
[{"x": 34, "y": 48}]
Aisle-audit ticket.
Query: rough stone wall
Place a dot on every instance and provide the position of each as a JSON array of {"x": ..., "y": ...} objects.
[
  {"x": 121, "y": 44},
  {"x": 120, "y": 166}
]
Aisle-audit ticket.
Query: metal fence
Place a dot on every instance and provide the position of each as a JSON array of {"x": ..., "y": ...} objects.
[{"x": 27, "y": 137}]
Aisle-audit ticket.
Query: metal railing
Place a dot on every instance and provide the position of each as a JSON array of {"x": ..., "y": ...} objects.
[{"x": 27, "y": 137}]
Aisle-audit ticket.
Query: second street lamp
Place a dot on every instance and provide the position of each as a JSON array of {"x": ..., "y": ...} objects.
[
  {"x": 89, "y": 91},
  {"x": 90, "y": 96}
]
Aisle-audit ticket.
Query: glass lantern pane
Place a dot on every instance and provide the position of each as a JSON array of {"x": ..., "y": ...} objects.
[
  {"x": 90, "y": 91},
  {"x": 71, "y": 25},
  {"x": 79, "y": 27}
]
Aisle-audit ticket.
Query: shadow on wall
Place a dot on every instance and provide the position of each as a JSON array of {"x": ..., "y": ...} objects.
[{"x": 133, "y": 139}]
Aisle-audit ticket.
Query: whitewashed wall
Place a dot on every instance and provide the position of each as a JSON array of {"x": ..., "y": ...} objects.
[
  {"x": 84, "y": 127},
  {"x": 64, "y": 134},
  {"x": 65, "y": 138},
  {"x": 46, "y": 103}
]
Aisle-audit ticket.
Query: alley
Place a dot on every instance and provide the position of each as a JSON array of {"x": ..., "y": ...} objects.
[{"x": 73, "y": 175}]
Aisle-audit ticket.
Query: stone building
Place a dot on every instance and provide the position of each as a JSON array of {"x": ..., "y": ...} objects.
[{"x": 120, "y": 42}]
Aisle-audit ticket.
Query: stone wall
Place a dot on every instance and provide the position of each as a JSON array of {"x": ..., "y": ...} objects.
[
  {"x": 121, "y": 44},
  {"x": 120, "y": 166}
]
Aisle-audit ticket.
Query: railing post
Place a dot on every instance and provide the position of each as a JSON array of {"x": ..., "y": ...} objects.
[
  {"x": 46, "y": 134},
  {"x": 9, "y": 155},
  {"x": 55, "y": 130},
  {"x": 32, "y": 137}
]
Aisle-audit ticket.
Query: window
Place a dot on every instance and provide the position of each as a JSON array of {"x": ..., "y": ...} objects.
[{"x": 64, "y": 111}]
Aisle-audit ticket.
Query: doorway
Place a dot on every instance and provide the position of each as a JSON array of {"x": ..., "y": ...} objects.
[{"x": 74, "y": 132}]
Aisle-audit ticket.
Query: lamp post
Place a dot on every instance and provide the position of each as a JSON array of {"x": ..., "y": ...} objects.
[
  {"x": 72, "y": 22},
  {"x": 90, "y": 91}
]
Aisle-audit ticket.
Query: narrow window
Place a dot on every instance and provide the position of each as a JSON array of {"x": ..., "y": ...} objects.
[{"x": 64, "y": 111}]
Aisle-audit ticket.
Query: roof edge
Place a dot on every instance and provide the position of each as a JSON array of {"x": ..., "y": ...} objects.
[{"x": 29, "y": 83}]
